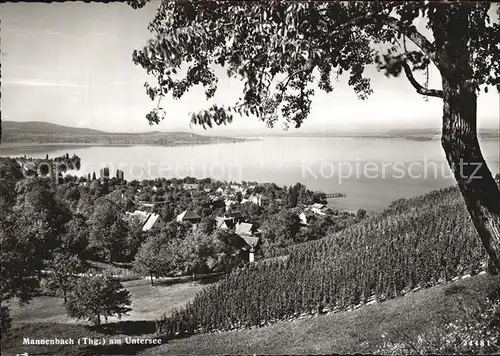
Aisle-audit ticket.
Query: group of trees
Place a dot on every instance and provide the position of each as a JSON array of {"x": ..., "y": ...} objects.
[
  {"x": 44, "y": 240},
  {"x": 197, "y": 252}
]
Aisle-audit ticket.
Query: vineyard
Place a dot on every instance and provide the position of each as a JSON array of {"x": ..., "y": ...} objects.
[{"x": 415, "y": 243}]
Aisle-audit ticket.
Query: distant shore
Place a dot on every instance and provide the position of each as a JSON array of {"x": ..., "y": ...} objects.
[{"x": 16, "y": 148}]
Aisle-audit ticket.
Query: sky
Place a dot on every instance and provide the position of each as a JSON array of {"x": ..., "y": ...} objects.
[{"x": 71, "y": 64}]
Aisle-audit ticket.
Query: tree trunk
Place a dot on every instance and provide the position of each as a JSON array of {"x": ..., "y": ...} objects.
[
  {"x": 463, "y": 153},
  {"x": 151, "y": 277},
  {"x": 459, "y": 134}
]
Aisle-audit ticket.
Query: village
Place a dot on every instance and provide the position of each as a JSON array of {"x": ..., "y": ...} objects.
[
  {"x": 225, "y": 202},
  {"x": 237, "y": 208}
]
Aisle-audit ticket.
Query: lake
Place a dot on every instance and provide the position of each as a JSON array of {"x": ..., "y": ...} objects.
[{"x": 372, "y": 172}]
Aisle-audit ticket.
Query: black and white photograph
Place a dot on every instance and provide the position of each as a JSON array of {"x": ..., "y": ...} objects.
[{"x": 249, "y": 177}]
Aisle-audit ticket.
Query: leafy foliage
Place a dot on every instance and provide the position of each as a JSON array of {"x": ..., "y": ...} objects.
[
  {"x": 281, "y": 229},
  {"x": 20, "y": 263},
  {"x": 108, "y": 231},
  {"x": 156, "y": 257},
  {"x": 94, "y": 297},
  {"x": 64, "y": 269},
  {"x": 279, "y": 48},
  {"x": 76, "y": 235},
  {"x": 9, "y": 175}
]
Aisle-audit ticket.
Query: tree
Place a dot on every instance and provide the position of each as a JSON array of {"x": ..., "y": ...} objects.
[
  {"x": 63, "y": 272},
  {"x": 96, "y": 296},
  {"x": 156, "y": 257},
  {"x": 68, "y": 194},
  {"x": 293, "y": 196},
  {"x": 108, "y": 231},
  {"x": 360, "y": 214},
  {"x": 21, "y": 262},
  {"x": 39, "y": 218},
  {"x": 135, "y": 237},
  {"x": 202, "y": 253},
  {"x": 175, "y": 230},
  {"x": 319, "y": 197},
  {"x": 207, "y": 225},
  {"x": 289, "y": 44},
  {"x": 281, "y": 228},
  {"x": 76, "y": 235},
  {"x": 251, "y": 212},
  {"x": 9, "y": 175}
]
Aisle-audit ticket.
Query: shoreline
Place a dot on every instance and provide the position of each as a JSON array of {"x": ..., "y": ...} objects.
[{"x": 42, "y": 145}]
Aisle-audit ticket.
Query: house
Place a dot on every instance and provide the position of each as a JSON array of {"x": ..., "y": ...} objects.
[
  {"x": 217, "y": 203},
  {"x": 155, "y": 188},
  {"x": 318, "y": 208},
  {"x": 224, "y": 223},
  {"x": 147, "y": 205},
  {"x": 138, "y": 214},
  {"x": 229, "y": 202},
  {"x": 238, "y": 188},
  {"x": 254, "y": 199},
  {"x": 258, "y": 199},
  {"x": 249, "y": 238},
  {"x": 154, "y": 221},
  {"x": 303, "y": 219},
  {"x": 187, "y": 186},
  {"x": 246, "y": 229},
  {"x": 188, "y": 216},
  {"x": 235, "y": 214},
  {"x": 207, "y": 190},
  {"x": 149, "y": 221},
  {"x": 220, "y": 190}
]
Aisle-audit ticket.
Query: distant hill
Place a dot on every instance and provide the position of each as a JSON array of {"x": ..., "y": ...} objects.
[
  {"x": 44, "y": 132},
  {"x": 44, "y": 128}
]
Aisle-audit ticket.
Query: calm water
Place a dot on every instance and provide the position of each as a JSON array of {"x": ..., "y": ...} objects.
[{"x": 372, "y": 172}]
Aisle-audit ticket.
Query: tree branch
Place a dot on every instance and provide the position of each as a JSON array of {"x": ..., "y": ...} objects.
[
  {"x": 291, "y": 76},
  {"x": 420, "y": 89},
  {"x": 416, "y": 37}
]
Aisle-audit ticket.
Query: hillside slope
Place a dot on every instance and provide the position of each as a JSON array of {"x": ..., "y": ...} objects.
[
  {"x": 364, "y": 330},
  {"x": 44, "y": 128},
  {"x": 415, "y": 243}
]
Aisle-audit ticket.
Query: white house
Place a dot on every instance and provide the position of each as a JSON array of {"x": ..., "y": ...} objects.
[
  {"x": 318, "y": 208},
  {"x": 149, "y": 221}
]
